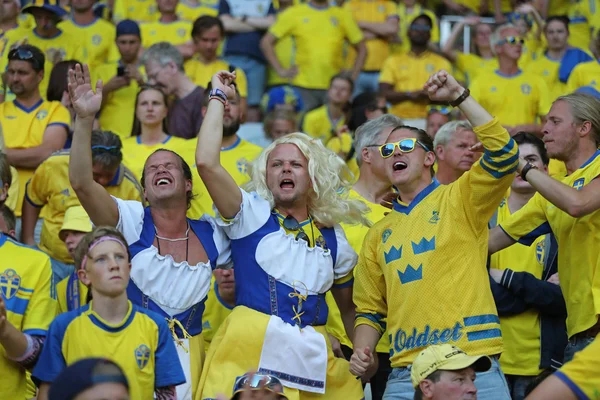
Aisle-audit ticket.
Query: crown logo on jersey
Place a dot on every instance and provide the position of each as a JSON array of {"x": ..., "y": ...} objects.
[
  {"x": 41, "y": 114},
  {"x": 320, "y": 242},
  {"x": 435, "y": 217},
  {"x": 205, "y": 325},
  {"x": 579, "y": 183},
  {"x": 96, "y": 39},
  {"x": 411, "y": 274},
  {"x": 525, "y": 89},
  {"x": 423, "y": 246},
  {"x": 242, "y": 165},
  {"x": 10, "y": 282},
  {"x": 393, "y": 255},
  {"x": 386, "y": 235},
  {"x": 142, "y": 355}
]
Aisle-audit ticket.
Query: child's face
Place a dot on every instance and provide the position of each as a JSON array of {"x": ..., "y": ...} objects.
[{"x": 107, "y": 269}]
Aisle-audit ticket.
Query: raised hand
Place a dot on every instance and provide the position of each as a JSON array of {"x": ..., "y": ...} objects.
[
  {"x": 442, "y": 86},
  {"x": 223, "y": 80},
  {"x": 85, "y": 102}
]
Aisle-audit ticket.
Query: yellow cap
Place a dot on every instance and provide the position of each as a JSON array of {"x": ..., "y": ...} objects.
[
  {"x": 76, "y": 219},
  {"x": 445, "y": 357}
]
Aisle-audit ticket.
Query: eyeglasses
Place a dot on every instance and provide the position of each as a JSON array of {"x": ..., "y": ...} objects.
[
  {"x": 291, "y": 224},
  {"x": 254, "y": 381},
  {"x": 99, "y": 149},
  {"x": 21, "y": 54},
  {"x": 405, "y": 146},
  {"x": 511, "y": 40}
]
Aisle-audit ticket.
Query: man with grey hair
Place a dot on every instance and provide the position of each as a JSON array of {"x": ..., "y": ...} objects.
[
  {"x": 452, "y": 144},
  {"x": 164, "y": 67}
]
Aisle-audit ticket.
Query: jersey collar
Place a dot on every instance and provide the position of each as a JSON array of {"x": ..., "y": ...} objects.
[
  {"x": 216, "y": 289},
  {"x": 407, "y": 208},
  {"x": 2, "y": 239},
  {"x": 233, "y": 146},
  {"x": 99, "y": 322},
  {"x": 118, "y": 178},
  {"x": 27, "y": 110},
  {"x": 519, "y": 72},
  {"x": 592, "y": 158}
]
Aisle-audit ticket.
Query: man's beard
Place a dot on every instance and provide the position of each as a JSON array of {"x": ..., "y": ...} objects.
[{"x": 231, "y": 129}]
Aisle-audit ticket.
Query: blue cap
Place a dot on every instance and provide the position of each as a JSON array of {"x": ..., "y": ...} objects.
[
  {"x": 589, "y": 90},
  {"x": 84, "y": 374},
  {"x": 49, "y": 5},
  {"x": 128, "y": 27},
  {"x": 282, "y": 95}
]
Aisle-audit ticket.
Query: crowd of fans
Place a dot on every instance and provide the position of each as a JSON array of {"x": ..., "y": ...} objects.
[{"x": 166, "y": 232}]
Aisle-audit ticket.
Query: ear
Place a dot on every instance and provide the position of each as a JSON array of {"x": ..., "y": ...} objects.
[
  {"x": 3, "y": 193},
  {"x": 427, "y": 387},
  {"x": 585, "y": 129},
  {"x": 366, "y": 155},
  {"x": 188, "y": 185},
  {"x": 439, "y": 152},
  {"x": 429, "y": 159},
  {"x": 82, "y": 275}
]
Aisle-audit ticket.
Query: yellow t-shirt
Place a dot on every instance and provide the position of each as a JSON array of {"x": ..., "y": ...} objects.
[
  {"x": 49, "y": 187},
  {"x": 582, "y": 374},
  {"x": 406, "y": 18},
  {"x": 319, "y": 124},
  {"x": 581, "y": 13},
  {"x": 557, "y": 169},
  {"x": 25, "y": 276},
  {"x": 514, "y": 100},
  {"x": 13, "y": 190},
  {"x": 472, "y": 65},
  {"x": 409, "y": 72},
  {"x": 578, "y": 253},
  {"x": 190, "y": 13},
  {"x": 378, "y": 11},
  {"x": 521, "y": 332},
  {"x": 137, "y": 10},
  {"x": 201, "y": 73},
  {"x": 176, "y": 33},
  {"x": 547, "y": 68},
  {"x": 135, "y": 153},
  {"x": 434, "y": 251},
  {"x": 118, "y": 109},
  {"x": 28, "y": 127},
  {"x": 67, "y": 293},
  {"x": 98, "y": 38},
  {"x": 215, "y": 312},
  {"x": 585, "y": 74},
  {"x": 319, "y": 35}
]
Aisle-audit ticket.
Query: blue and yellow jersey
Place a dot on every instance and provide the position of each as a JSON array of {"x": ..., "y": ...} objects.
[
  {"x": 578, "y": 252},
  {"x": 581, "y": 14},
  {"x": 406, "y": 73},
  {"x": 319, "y": 124},
  {"x": 71, "y": 293},
  {"x": 215, "y": 313},
  {"x": 176, "y": 32},
  {"x": 13, "y": 190},
  {"x": 201, "y": 73},
  {"x": 406, "y": 17},
  {"x": 472, "y": 65},
  {"x": 191, "y": 12},
  {"x": 584, "y": 74},
  {"x": 9, "y": 38},
  {"x": 25, "y": 276},
  {"x": 137, "y": 10},
  {"x": 118, "y": 108},
  {"x": 28, "y": 126},
  {"x": 135, "y": 153},
  {"x": 434, "y": 251},
  {"x": 582, "y": 374},
  {"x": 547, "y": 68},
  {"x": 98, "y": 38},
  {"x": 515, "y": 100},
  {"x": 318, "y": 56},
  {"x": 49, "y": 187},
  {"x": 285, "y": 50},
  {"x": 141, "y": 345},
  {"x": 378, "y": 11},
  {"x": 521, "y": 332}
]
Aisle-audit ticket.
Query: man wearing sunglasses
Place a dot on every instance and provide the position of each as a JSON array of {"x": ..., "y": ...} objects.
[
  {"x": 423, "y": 267},
  {"x": 49, "y": 187},
  {"x": 519, "y": 99}
]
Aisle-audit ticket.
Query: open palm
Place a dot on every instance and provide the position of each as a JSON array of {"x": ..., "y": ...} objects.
[{"x": 85, "y": 102}]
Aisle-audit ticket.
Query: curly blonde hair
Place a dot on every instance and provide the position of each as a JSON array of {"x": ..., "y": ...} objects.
[{"x": 328, "y": 201}]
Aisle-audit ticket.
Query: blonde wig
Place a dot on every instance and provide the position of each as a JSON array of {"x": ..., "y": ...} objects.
[{"x": 328, "y": 201}]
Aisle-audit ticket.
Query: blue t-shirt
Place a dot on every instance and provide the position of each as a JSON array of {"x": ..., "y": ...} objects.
[{"x": 247, "y": 43}]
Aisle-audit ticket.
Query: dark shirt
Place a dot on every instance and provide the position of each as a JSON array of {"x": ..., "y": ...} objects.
[{"x": 185, "y": 115}]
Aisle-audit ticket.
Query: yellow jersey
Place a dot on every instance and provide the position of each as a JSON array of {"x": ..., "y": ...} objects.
[
  {"x": 434, "y": 251},
  {"x": 406, "y": 17},
  {"x": 13, "y": 190},
  {"x": 135, "y": 153},
  {"x": 578, "y": 254},
  {"x": 98, "y": 38},
  {"x": 547, "y": 68},
  {"x": 472, "y": 65},
  {"x": 406, "y": 73},
  {"x": 141, "y": 345},
  {"x": 118, "y": 109},
  {"x": 581, "y": 13},
  {"x": 25, "y": 277},
  {"x": 515, "y": 100},
  {"x": 582, "y": 374},
  {"x": 558, "y": 7},
  {"x": 557, "y": 169},
  {"x": 176, "y": 32},
  {"x": 584, "y": 74},
  {"x": 191, "y": 12},
  {"x": 201, "y": 73},
  {"x": 319, "y": 124},
  {"x": 28, "y": 126},
  {"x": 521, "y": 332},
  {"x": 71, "y": 293},
  {"x": 319, "y": 35},
  {"x": 377, "y": 11},
  {"x": 137, "y": 10},
  {"x": 49, "y": 187},
  {"x": 215, "y": 312}
]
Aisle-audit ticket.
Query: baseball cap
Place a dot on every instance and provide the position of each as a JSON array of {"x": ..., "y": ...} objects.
[
  {"x": 49, "y": 5},
  {"x": 253, "y": 381},
  {"x": 76, "y": 219},
  {"x": 445, "y": 357},
  {"x": 84, "y": 374},
  {"x": 282, "y": 95},
  {"x": 128, "y": 27}
]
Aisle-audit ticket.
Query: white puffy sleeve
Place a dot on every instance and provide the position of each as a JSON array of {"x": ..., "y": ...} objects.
[
  {"x": 131, "y": 219},
  {"x": 253, "y": 214},
  {"x": 221, "y": 240}
]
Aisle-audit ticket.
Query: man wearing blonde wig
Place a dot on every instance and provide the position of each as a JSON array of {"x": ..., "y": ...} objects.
[{"x": 288, "y": 250}]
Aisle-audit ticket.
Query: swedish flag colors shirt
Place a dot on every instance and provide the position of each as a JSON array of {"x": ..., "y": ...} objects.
[
  {"x": 25, "y": 275},
  {"x": 582, "y": 374},
  {"x": 141, "y": 345},
  {"x": 578, "y": 250},
  {"x": 434, "y": 251},
  {"x": 319, "y": 124},
  {"x": 98, "y": 40},
  {"x": 176, "y": 32},
  {"x": 547, "y": 68},
  {"x": 585, "y": 74}
]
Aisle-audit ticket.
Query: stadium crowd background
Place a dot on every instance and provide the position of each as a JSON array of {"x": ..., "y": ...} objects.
[{"x": 322, "y": 68}]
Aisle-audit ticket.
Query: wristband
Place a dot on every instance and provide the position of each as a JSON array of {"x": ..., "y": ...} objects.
[
  {"x": 526, "y": 169},
  {"x": 218, "y": 93},
  {"x": 220, "y": 100},
  {"x": 461, "y": 98}
]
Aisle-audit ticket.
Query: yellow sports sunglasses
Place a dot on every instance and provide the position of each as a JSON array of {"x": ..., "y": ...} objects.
[{"x": 405, "y": 146}]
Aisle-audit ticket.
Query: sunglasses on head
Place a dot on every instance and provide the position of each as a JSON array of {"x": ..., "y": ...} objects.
[
  {"x": 254, "y": 381},
  {"x": 439, "y": 109},
  {"x": 99, "y": 149},
  {"x": 291, "y": 224},
  {"x": 405, "y": 146},
  {"x": 21, "y": 54},
  {"x": 511, "y": 40}
]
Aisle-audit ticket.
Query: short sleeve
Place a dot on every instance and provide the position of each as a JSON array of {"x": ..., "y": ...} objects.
[
  {"x": 52, "y": 361},
  {"x": 222, "y": 242},
  {"x": 36, "y": 189},
  {"x": 42, "y": 308},
  {"x": 529, "y": 222},
  {"x": 352, "y": 31},
  {"x": 254, "y": 213},
  {"x": 60, "y": 116},
  {"x": 387, "y": 72},
  {"x": 242, "y": 82},
  {"x": 345, "y": 261},
  {"x": 284, "y": 24},
  {"x": 168, "y": 371},
  {"x": 131, "y": 219},
  {"x": 574, "y": 82}
]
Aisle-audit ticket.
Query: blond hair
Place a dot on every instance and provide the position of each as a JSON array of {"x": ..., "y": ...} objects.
[
  {"x": 328, "y": 201},
  {"x": 584, "y": 107}
]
